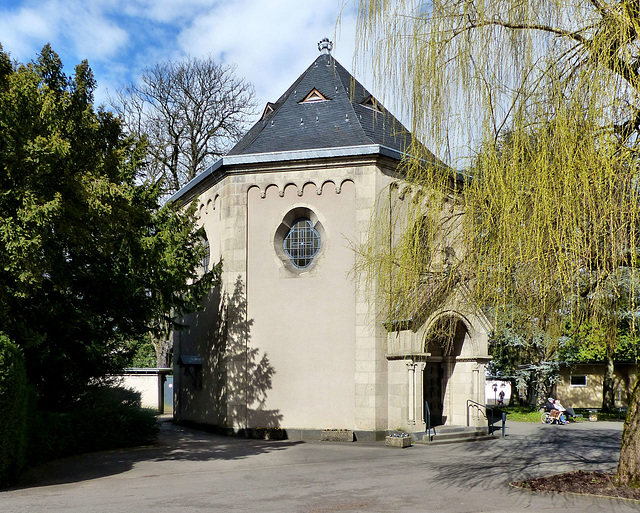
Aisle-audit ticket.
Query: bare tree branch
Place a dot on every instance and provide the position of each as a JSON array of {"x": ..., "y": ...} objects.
[
  {"x": 522, "y": 26},
  {"x": 191, "y": 111}
]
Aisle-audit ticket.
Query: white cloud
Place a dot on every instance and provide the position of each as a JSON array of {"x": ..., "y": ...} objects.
[
  {"x": 273, "y": 42},
  {"x": 20, "y": 29},
  {"x": 74, "y": 26},
  {"x": 91, "y": 32},
  {"x": 163, "y": 11}
]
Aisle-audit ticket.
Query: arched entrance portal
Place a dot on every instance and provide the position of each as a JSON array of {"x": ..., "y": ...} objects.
[{"x": 444, "y": 387}]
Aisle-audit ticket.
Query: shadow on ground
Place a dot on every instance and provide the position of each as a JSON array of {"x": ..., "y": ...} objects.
[
  {"x": 546, "y": 450},
  {"x": 175, "y": 443}
]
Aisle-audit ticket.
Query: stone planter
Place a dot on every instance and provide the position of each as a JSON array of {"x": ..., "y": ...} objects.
[
  {"x": 337, "y": 435},
  {"x": 397, "y": 441}
]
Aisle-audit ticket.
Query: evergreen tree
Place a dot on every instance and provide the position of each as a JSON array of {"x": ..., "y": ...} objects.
[{"x": 90, "y": 259}]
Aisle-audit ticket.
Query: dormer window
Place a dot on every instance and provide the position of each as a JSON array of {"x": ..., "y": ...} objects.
[
  {"x": 314, "y": 96},
  {"x": 372, "y": 104},
  {"x": 267, "y": 110}
]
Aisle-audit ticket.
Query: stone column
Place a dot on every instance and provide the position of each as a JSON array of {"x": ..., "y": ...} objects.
[
  {"x": 447, "y": 402},
  {"x": 411, "y": 406},
  {"x": 419, "y": 380},
  {"x": 475, "y": 395}
]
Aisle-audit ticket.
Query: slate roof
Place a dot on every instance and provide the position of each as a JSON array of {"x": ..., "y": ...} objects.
[
  {"x": 351, "y": 122},
  {"x": 340, "y": 121}
]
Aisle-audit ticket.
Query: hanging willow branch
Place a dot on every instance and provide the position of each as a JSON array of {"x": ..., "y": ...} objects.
[{"x": 543, "y": 219}]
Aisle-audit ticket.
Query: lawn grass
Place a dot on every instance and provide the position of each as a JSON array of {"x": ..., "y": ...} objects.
[
  {"x": 532, "y": 413},
  {"x": 519, "y": 413}
]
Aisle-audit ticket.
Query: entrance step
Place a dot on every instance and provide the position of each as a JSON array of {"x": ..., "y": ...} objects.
[{"x": 452, "y": 435}]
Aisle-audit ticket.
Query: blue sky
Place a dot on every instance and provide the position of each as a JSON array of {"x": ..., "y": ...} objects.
[{"x": 271, "y": 41}]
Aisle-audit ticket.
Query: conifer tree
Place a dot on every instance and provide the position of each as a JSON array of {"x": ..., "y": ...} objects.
[{"x": 89, "y": 258}]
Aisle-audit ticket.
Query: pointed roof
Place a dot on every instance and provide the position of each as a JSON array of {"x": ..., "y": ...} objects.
[
  {"x": 326, "y": 107},
  {"x": 326, "y": 113}
]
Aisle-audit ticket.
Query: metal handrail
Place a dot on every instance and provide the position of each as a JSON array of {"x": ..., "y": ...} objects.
[
  {"x": 427, "y": 420},
  {"x": 471, "y": 402}
]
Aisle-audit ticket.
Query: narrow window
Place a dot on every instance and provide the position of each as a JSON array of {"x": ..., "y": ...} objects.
[{"x": 206, "y": 256}]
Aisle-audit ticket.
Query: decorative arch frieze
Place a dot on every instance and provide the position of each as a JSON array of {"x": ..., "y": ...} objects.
[
  {"x": 301, "y": 187},
  {"x": 256, "y": 189},
  {"x": 290, "y": 186},
  {"x": 311, "y": 186},
  {"x": 328, "y": 186},
  {"x": 343, "y": 183},
  {"x": 271, "y": 189}
]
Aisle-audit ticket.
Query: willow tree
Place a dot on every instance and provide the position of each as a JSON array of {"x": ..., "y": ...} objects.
[{"x": 544, "y": 97}]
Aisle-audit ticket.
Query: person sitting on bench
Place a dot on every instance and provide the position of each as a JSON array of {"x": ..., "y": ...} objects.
[
  {"x": 560, "y": 409},
  {"x": 557, "y": 416},
  {"x": 548, "y": 407}
]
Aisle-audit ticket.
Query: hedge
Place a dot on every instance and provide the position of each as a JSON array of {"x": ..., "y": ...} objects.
[
  {"x": 13, "y": 411},
  {"x": 105, "y": 418}
]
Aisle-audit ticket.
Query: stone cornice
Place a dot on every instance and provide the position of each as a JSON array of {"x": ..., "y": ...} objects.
[{"x": 287, "y": 160}]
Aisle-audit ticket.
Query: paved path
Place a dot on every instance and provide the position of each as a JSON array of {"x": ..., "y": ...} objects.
[{"x": 192, "y": 471}]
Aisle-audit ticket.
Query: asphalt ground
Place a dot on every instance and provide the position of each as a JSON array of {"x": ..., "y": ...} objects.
[{"x": 192, "y": 471}]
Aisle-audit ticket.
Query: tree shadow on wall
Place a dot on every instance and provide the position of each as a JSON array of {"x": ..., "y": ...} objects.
[{"x": 228, "y": 393}]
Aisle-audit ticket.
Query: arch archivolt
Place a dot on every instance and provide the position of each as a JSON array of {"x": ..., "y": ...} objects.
[
  {"x": 460, "y": 307},
  {"x": 429, "y": 331},
  {"x": 414, "y": 339}
]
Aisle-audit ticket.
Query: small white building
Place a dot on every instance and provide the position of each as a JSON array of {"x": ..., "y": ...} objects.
[
  {"x": 288, "y": 340},
  {"x": 155, "y": 386},
  {"x": 493, "y": 388}
]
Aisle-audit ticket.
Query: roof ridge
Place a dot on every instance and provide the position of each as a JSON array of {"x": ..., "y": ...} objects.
[
  {"x": 386, "y": 114},
  {"x": 339, "y": 67}
]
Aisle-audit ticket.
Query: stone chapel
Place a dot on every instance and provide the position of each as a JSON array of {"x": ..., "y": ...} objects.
[{"x": 287, "y": 341}]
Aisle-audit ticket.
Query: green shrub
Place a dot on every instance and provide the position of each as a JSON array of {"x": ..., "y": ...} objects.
[
  {"x": 105, "y": 418},
  {"x": 13, "y": 411}
]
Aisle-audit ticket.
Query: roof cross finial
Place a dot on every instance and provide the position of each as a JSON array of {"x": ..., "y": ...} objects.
[{"x": 325, "y": 46}]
